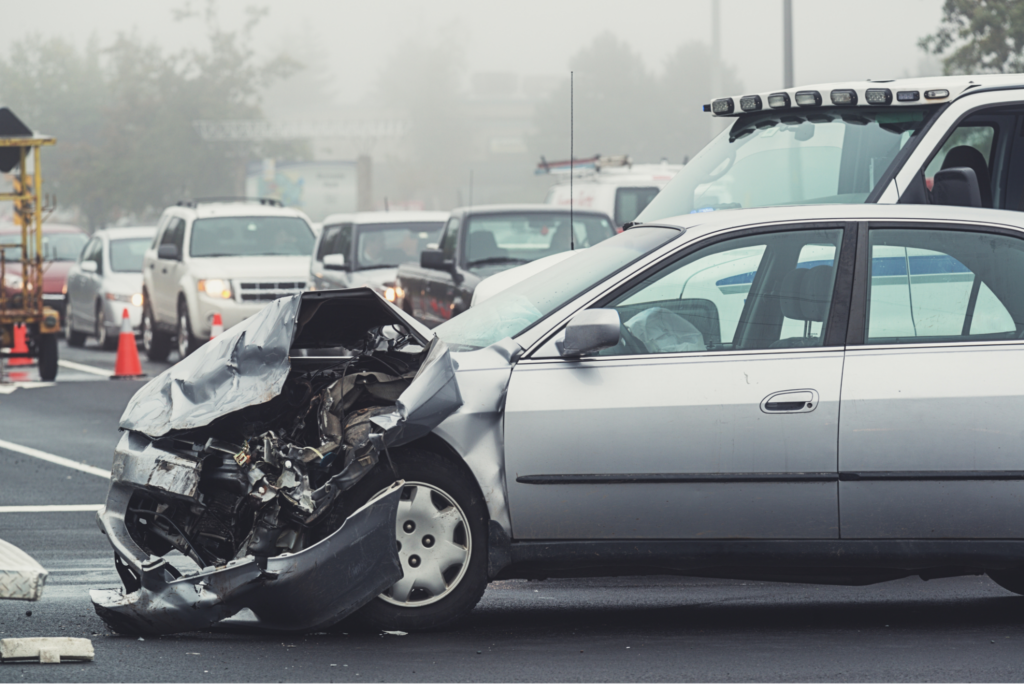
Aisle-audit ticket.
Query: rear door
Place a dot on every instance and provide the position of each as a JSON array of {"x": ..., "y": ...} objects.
[
  {"x": 164, "y": 272},
  {"x": 717, "y": 415},
  {"x": 930, "y": 439}
]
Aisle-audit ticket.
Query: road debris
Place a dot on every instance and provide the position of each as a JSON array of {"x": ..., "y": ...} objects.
[{"x": 46, "y": 650}]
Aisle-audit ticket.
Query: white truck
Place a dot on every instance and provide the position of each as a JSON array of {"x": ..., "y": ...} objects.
[
  {"x": 953, "y": 140},
  {"x": 613, "y": 185}
]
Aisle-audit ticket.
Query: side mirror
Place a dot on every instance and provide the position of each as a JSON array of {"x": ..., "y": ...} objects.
[
  {"x": 434, "y": 259},
  {"x": 590, "y": 331},
  {"x": 167, "y": 252},
  {"x": 956, "y": 187},
  {"x": 89, "y": 266},
  {"x": 334, "y": 261}
]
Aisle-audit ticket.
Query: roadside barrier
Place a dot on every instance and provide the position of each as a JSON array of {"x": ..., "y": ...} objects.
[
  {"x": 20, "y": 347},
  {"x": 217, "y": 327},
  {"x": 128, "y": 365}
]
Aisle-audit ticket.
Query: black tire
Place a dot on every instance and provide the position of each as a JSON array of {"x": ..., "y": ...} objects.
[
  {"x": 420, "y": 466},
  {"x": 103, "y": 338},
  {"x": 187, "y": 342},
  {"x": 48, "y": 357},
  {"x": 1011, "y": 580},
  {"x": 72, "y": 336},
  {"x": 156, "y": 344}
]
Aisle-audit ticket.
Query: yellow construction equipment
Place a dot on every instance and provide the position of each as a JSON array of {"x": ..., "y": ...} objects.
[{"x": 21, "y": 261}]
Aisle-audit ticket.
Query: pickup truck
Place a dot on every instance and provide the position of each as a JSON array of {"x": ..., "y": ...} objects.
[
  {"x": 951, "y": 140},
  {"x": 480, "y": 241}
]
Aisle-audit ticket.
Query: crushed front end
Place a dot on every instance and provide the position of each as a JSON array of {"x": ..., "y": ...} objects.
[{"x": 239, "y": 458}]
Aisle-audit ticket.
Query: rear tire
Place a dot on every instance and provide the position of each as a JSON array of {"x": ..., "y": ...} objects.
[
  {"x": 48, "y": 357},
  {"x": 74, "y": 338},
  {"x": 156, "y": 344},
  {"x": 1011, "y": 580},
  {"x": 449, "y": 523}
]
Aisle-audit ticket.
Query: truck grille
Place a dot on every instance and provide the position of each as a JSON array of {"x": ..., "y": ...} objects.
[{"x": 268, "y": 292}]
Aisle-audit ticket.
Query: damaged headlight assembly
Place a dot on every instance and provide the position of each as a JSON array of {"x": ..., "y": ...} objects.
[{"x": 239, "y": 458}]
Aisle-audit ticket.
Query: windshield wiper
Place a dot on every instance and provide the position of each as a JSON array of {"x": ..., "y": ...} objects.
[{"x": 497, "y": 260}]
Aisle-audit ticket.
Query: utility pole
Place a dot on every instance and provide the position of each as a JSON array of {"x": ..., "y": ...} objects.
[
  {"x": 716, "y": 61},
  {"x": 787, "y": 43}
]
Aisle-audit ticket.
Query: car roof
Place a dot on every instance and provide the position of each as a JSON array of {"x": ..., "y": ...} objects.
[
  {"x": 955, "y": 86},
  {"x": 121, "y": 232},
  {"x": 387, "y": 217},
  {"x": 218, "y": 209},
  {"x": 700, "y": 224},
  {"x": 514, "y": 208}
]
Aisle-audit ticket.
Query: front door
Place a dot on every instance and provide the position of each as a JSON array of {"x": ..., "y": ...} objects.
[
  {"x": 930, "y": 438},
  {"x": 715, "y": 417}
]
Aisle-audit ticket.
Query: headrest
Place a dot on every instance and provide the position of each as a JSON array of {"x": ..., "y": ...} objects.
[
  {"x": 965, "y": 155},
  {"x": 805, "y": 292},
  {"x": 482, "y": 245}
]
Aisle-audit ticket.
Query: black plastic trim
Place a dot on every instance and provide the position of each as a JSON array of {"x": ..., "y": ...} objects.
[
  {"x": 839, "y": 315},
  {"x": 673, "y": 478},
  {"x": 857, "y": 326},
  {"x": 931, "y": 475}
]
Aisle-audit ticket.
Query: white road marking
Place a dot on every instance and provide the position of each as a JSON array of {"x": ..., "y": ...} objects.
[
  {"x": 59, "y": 460},
  {"x": 9, "y": 388},
  {"x": 73, "y": 365},
  {"x": 69, "y": 508}
]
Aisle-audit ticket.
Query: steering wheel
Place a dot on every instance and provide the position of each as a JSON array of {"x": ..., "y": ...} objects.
[{"x": 630, "y": 343}]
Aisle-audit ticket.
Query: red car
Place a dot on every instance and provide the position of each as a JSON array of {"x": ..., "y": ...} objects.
[{"x": 61, "y": 247}]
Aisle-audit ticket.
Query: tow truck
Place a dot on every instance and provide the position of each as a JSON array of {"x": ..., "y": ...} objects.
[
  {"x": 954, "y": 140},
  {"x": 21, "y": 263}
]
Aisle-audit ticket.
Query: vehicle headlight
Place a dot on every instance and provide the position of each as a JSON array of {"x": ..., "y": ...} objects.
[
  {"x": 391, "y": 294},
  {"x": 137, "y": 299},
  {"x": 13, "y": 281},
  {"x": 134, "y": 299},
  {"x": 215, "y": 287}
]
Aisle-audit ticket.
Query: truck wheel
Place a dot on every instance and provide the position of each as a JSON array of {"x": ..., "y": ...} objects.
[
  {"x": 441, "y": 532},
  {"x": 48, "y": 357},
  {"x": 103, "y": 338},
  {"x": 187, "y": 342},
  {"x": 73, "y": 337},
  {"x": 157, "y": 344}
]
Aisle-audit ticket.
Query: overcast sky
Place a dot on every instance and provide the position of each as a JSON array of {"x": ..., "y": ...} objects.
[{"x": 834, "y": 39}]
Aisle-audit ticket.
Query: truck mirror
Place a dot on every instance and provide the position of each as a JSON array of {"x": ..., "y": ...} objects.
[
  {"x": 167, "y": 252},
  {"x": 334, "y": 261},
  {"x": 434, "y": 259},
  {"x": 956, "y": 187}
]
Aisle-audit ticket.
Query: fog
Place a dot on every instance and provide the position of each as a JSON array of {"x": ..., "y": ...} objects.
[{"x": 444, "y": 103}]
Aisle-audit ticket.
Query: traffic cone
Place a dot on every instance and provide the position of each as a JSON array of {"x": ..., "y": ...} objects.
[
  {"x": 127, "y": 365},
  {"x": 217, "y": 327},
  {"x": 20, "y": 347}
]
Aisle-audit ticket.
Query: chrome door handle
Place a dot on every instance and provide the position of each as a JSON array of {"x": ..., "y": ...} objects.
[{"x": 791, "y": 401}]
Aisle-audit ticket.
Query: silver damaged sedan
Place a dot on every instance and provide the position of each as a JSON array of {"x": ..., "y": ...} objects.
[{"x": 824, "y": 394}]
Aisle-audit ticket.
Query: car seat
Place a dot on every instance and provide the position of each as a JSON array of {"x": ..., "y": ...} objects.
[
  {"x": 804, "y": 296},
  {"x": 965, "y": 155}
]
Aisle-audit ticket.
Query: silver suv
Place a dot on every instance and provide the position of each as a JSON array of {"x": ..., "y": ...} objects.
[{"x": 219, "y": 256}]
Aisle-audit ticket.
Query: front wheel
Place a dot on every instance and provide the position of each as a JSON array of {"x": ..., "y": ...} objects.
[
  {"x": 441, "y": 533},
  {"x": 48, "y": 357},
  {"x": 157, "y": 344},
  {"x": 73, "y": 337},
  {"x": 187, "y": 342},
  {"x": 103, "y": 338}
]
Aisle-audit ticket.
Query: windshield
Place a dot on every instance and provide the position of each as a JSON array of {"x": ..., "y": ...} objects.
[
  {"x": 56, "y": 246},
  {"x": 828, "y": 156},
  {"x": 383, "y": 245},
  {"x": 126, "y": 254},
  {"x": 251, "y": 236},
  {"x": 522, "y": 237},
  {"x": 513, "y": 311}
]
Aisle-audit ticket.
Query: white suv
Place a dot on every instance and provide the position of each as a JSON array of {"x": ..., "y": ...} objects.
[{"x": 219, "y": 256}]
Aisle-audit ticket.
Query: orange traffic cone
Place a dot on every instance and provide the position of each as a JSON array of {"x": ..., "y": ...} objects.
[
  {"x": 127, "y": 365},
  {"x": 20, "y": 347},
  {"x": 217, "y": 327}
]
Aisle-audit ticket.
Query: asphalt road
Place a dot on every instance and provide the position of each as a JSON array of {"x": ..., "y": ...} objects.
[{"x": 625, "y": 629}]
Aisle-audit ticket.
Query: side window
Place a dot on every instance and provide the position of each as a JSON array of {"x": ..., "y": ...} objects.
[
  {"x": 336, "y": 240},
  {"x": 167, "y": 238},
  {"x": 944, "y": 286},
  {"x": 758, "y": 292},
  {"x": 970, "y": 145},
  {"x": 450, "y": 241},
  {"x": 164, "y": 221},
  {"x": 86, "y": 251},
  {"x": 179, "y": 236},
  {"x": 97, "y": 255}
]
